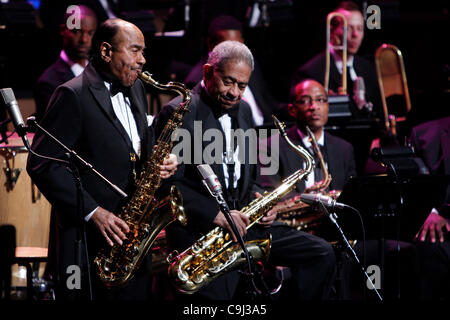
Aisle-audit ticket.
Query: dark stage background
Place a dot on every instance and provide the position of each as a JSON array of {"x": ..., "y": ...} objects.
[{"x": 293, "y": 33}]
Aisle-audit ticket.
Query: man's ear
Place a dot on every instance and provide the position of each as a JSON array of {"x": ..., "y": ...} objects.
[
  {"x": 292, "y": 110},
  {"x": 62, "y": 29},
  {"x": 208, "y": 71},
  {"x": 105, "y": 51}
]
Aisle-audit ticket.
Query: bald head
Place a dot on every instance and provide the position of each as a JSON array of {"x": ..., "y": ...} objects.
[
  {"x": 118, "y": 50},
  {"x": 309, "y": 105}
]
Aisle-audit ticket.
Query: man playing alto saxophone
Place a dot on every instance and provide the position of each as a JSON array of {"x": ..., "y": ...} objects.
[
  {"x": 100, "y": 114},
  {"x": 309, "y": 107},
  {"x": 217, "y": 103}
]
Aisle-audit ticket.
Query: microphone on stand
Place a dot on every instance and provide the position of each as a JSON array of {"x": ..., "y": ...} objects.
[
  {"x": 187, "y": 14},
  {"x": 213, "y": 185},
  {"x": 359, "y": 95},
  {"x": 314, "y": 198},
  {"x": 14, "y": 112}
]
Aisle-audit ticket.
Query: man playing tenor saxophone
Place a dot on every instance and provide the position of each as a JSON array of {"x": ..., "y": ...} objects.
[
  {"x": 101, "y": 115},
  {"x": 217, "y": 104}
]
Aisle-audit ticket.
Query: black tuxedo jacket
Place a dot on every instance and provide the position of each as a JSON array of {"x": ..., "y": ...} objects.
[
  {"x": 315, "y": 69},
  {"x": 200, "y": 206},
  {"x": 81, "y": 116},
  {"x": 431, "y": 141},
  {"x": 338, "y": 155},
  {"x": 55, "y": 75},
  {"x": 266, "y": 102}
]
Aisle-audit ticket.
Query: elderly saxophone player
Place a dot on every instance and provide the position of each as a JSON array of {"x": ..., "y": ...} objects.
[
  {"x": 101, "y": 114},
  {"x": 217, "y": 104}
]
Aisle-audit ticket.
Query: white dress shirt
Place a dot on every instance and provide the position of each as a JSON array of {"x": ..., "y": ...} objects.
[
  {"x": 338, "y": 62},
  {"x": 229, "y": 156},
  {"x": 305, "y": 139},
  {"x": 75, "y": 67}
]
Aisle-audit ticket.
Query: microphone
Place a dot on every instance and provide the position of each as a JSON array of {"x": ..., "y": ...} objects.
[
  {"x": 187, "y": 13},
  {"x": 213, "y": 185},
  {"x": 359, "y": 95},
  {"x": 14, "y": 112},
  {"x": 314, "y": 198}
]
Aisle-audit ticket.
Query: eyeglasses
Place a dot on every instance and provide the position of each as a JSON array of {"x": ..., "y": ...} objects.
[{"x": 307, "y": 100}]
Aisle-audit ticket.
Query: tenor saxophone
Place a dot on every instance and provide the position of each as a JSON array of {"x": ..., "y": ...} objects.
[
  {"x": 215, "y": 254},
  {"x": 298, "y": 214},
  {"x": 143, "y": 213}
]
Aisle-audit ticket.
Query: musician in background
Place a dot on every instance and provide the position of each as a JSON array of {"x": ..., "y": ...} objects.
[
  {"x": 431, "y": 141},
  {"x": 309, "y": 107},
  {"x": 101, "y": 115},
  {"x": 217, "y": 104},
  {"x": 357, "y": 66},
  {"x": 72, "y": 60}
]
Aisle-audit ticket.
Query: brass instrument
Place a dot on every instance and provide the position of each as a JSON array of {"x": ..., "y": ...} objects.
[
  {"x": 393, "y": 84},
  {"x": 145, "y": 216},
  {"x": 214, "y": 254},
  {"x": 342, "y": 91},
  {"x": 298, "y": 214}
]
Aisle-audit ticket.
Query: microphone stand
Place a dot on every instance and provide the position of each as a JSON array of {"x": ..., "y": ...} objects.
[
  {"x": 333, "y": 217},
  {"x": 3, "y": 135},
  {"x": 72, "y": 157},
  {"x": 226, "y": 211}
]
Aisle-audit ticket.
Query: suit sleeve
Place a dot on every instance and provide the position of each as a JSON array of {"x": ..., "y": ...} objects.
[
  {"x": 55, "y": 180},
  {"x": 268, "y": 165},
  {"x": 42, "y": 94}
]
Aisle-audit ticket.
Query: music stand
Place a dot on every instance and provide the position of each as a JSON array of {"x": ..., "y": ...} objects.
[{"x": 385, "y": 215}]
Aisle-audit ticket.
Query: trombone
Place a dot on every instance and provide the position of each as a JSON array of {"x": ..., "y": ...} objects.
[
  {"x": 392, "y": 81},
  {"x": 342, "y": 46}
]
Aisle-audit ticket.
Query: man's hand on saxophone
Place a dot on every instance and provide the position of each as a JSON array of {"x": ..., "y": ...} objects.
[
  {"x": 169, "y": 166},
  {"x": 240, "y": 219},
  {"x": 269, "y": 216},
  {"x": 110, "y": 226}
]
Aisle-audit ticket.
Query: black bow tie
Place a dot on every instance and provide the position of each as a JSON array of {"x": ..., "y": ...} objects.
[
  {"x": 232, "y": 112},
  {"x": 117, "y": 87}
]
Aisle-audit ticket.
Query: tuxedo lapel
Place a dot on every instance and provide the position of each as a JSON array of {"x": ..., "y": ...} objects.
[
  {"x": 335, "y": 76},
  {"x": 295, "y": 161},
  {"x": 331, "y": 158},
  {"x": 103, "y": 99},
  {"x": 208, "y": 121},
  {"x": 140, "y": 117},
  {"x": 247, "y": 147},
  {"x": 445, "y": 142}
]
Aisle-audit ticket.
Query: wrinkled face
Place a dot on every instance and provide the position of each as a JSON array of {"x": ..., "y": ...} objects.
[
  {"x": 226, "y": 86},
  {"x": 125, "y": 57},
  {"x": 355, "y": 31},
  {"x": 310, "y": 106},
  {"x": 77, "y": 42}
]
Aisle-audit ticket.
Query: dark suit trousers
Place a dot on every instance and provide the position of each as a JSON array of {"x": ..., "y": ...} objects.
[{"x": 310, "y": 258}]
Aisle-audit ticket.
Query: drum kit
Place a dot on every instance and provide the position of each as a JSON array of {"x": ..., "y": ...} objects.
[{"x": 25, "y": 208}]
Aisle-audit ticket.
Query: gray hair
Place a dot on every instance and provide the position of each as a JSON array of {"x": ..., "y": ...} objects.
[{"x": 230, "y": 50}]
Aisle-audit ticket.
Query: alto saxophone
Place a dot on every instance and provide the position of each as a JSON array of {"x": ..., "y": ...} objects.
[
  {"x": 298, "y": 214},
  {"x": 143, "y": 213},
  {"x": 215, "y": 254}
]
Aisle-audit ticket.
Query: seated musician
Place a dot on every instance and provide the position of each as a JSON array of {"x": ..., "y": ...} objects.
[
  {"x": 309, "y": 107},
  {"x": 217, "y": 104}
]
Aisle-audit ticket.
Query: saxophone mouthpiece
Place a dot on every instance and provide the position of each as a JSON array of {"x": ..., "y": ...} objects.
[{"x": 280, "y": 125}]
